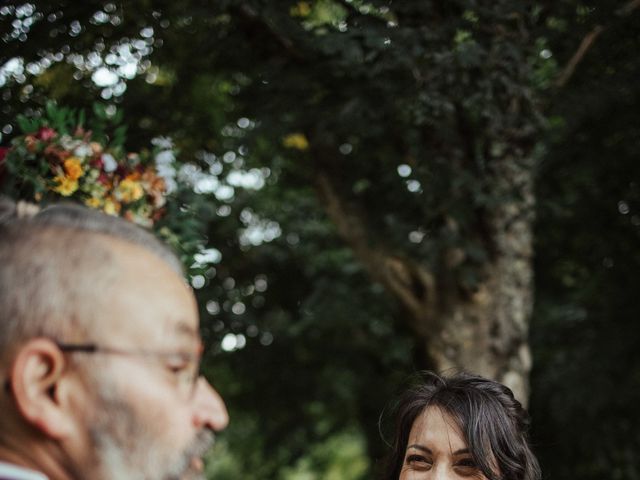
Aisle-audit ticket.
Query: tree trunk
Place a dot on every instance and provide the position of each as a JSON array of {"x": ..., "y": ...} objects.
[
  {"x": 484, "y": 331},
  {"x": 487, "y": 334}
]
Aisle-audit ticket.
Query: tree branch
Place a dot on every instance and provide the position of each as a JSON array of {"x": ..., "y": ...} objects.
[
  {"x": 413, "y": 285},
  {"x": 628, "y": 8},
  {"x": 587, "y": 43},
  {"x": 577, "y": 57}
]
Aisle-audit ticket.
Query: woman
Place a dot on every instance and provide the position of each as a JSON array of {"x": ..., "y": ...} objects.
[{"x": 461, "y": 426}]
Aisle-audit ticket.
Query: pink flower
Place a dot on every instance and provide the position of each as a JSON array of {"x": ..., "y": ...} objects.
[{"x": 45, "y": 134}]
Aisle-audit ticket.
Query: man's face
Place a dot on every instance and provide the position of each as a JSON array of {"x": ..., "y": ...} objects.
[{"x": 147, "y": 420}]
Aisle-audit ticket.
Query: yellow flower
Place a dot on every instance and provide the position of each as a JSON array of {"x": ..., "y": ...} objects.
[
  {"x": 301, "y": 9},
  {"x": 129, "y": 191},
  {"x": 73, "y": 168},
  {"x": 111, "y": 207},
  {"x": 66, "y": 186},
  {"x": 139, "y": 218},
  {"x": 296, "y": 140},
  {"x": 93, "y": 202}
]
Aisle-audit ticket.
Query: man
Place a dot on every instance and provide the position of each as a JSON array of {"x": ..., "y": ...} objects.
[{"x": 99, "y": 352}]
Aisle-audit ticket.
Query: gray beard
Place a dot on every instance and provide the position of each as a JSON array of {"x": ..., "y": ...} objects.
[{"x": 126, "y": 450}]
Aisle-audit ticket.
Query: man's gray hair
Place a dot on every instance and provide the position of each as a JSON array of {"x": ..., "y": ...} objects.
[{"x": 55, "y": 266}]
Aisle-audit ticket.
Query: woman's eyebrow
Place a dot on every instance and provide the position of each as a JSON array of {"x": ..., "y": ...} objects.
[
  {"x": 419, "y": 447},
  {"x": 461, "y": 451}
]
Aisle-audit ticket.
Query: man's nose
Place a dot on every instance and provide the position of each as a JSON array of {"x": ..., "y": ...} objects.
[{"x": 209, "y": 409}]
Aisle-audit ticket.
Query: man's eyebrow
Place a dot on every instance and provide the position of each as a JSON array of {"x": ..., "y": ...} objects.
[
  {"x": 419, "y": 447},
  {"x": 186, "y": 329}
]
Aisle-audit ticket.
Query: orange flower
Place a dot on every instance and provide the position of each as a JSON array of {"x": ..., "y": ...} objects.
[
  {"x": 73, "y": 168},
  {"x": 155, "y": 186},
  {"x": 135, "y": 176},
  {"x": 31, "y": 143}
]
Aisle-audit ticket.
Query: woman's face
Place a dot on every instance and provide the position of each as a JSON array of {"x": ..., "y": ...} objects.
[{"x": 436, "y": 450}]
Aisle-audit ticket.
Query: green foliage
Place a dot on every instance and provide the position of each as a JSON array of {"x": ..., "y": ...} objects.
[
  {"x": 341, "y": 457},
  {"x": 106, "y": 125},
  {"x": 444, "y": 89},
  {"x": 47, "y": 139},
  {"x": 434, "y": 87},
  {"x": 585, "y": 330},
  {"x": 60, "y": 157}
]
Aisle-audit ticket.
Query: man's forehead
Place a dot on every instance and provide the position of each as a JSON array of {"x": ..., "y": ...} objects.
[
  {"x": 165, "y": 333},
  {"x": 150, "y": 302}
]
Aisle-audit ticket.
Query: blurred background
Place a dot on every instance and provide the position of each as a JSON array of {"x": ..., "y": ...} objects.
[{"x": 364, "y": 189}]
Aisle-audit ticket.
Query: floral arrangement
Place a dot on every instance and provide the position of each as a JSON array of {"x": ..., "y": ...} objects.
[{"x": 57, "y": 156}]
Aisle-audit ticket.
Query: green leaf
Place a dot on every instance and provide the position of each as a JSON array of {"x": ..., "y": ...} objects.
[{"x": 27, "y": 125}]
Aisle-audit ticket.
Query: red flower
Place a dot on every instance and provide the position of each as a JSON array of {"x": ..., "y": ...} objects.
[
  {"x": 103, "y": 178},
  {"x": 97, "y": 162},
  {"x": 45, "y": 134},
  {"x": 122, "y": 171},
  {"x": 3, "y": 153}
]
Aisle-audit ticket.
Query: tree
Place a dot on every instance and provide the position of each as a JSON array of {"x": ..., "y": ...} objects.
[
  {"x": 395, "y": 143},
  {"x": 455, "y": 113}
]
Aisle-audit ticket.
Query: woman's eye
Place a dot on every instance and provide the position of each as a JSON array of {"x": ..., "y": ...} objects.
[
  {"x": 466, "y": 467},
  {"x": 418, "y": 461}
]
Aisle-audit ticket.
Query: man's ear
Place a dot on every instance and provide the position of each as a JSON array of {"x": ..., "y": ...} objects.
[{"x": 35, "y": 377}]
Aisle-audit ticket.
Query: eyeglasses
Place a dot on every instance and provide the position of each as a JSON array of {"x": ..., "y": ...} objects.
[{"x": 183, "y": 366}]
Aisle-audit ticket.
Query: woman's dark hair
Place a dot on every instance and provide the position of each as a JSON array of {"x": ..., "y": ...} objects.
[{"x": 491, "y": 420}]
